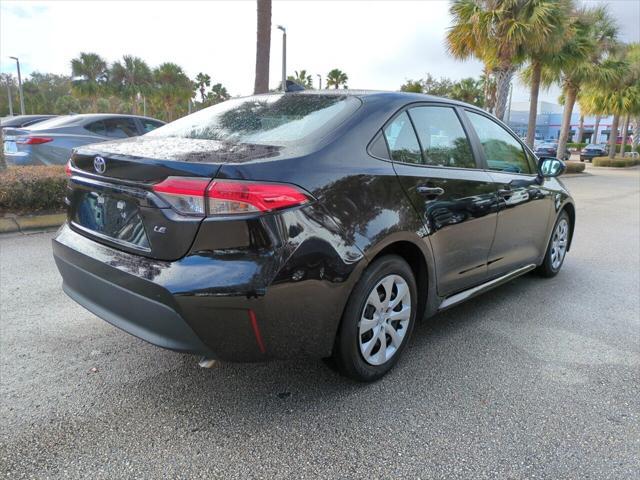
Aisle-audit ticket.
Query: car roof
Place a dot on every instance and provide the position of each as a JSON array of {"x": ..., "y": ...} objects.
[
  {"x": 81, "y": 119},
  {"x": 375, "y": 95}
]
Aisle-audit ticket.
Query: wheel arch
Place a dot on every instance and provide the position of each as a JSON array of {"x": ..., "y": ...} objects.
[{"x": 571, "y": 211}]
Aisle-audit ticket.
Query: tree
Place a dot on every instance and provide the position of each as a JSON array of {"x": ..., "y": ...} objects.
[
  {"x": 336, "y": 78},
  {"x": 414, "y": 86},
  {"x": 302, "y": 78},
  {"x": 203, "y": 81},
  {"x": 217, "y": 94},
  {"x": 171, "y": 89},
  {"x": 42, "y": 90},
  {"x": 66, "y": 104},
  {"x": 468, "y": 90},
  {"x": 263, "y": 46},
  {"x": 8, "y": 80},
  {"x": 583, "y": 61},
  {"x": 620, "y": 96},
  {"x": 90, "y": 75},
  {"x": 542, "y": 52},
  {"x": 129, "y": 78},
  {"x": 498, "y": 33}
]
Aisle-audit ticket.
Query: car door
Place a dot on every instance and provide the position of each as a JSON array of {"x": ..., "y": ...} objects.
[
  {"x": 525, "y": 206},
  {"x": 455, "y": 199}
]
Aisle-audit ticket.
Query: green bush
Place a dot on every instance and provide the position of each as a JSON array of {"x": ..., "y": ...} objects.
[
  {"x": 574, "y": 167},
  {"x": 617, "y": 162},
  {"x": 32, "y": 189}
]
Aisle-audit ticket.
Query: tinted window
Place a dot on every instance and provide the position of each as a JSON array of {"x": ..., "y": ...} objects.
[
  {"x": 265, "y": 119},
  {"x": 378, "y": 147},
  {"x": 148, "y": 125},
  {"x": 402, "y": 140},
  {"x": 120, "y": 127},
  {"x": 503, "y": 152},
  {"x": 98, "y": 128},
  {"x": 443, "y": 140}
]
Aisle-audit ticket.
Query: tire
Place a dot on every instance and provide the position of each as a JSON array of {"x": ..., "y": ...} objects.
[
  {"x": 558, "y": 244},
  {"x": 358, "y": 352}
]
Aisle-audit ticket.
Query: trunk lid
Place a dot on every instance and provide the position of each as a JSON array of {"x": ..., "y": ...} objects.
[{"x": 111, "y": 197}]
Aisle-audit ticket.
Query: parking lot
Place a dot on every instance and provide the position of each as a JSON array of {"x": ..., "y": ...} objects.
[{"x": 537, "y": 379}]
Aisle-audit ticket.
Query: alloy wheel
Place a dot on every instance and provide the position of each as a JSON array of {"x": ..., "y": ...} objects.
[
  {"x": 384, "y": 320},
  {"x": 559, "y": 243}
]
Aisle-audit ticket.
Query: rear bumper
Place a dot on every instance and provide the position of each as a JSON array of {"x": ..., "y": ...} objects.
[{"x": 204, "y": 305}]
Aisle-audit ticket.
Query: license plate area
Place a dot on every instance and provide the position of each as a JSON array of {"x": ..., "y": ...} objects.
[{"x": 110, "y": 217}]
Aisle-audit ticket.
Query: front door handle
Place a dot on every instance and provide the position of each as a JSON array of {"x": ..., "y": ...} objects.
[{"x": 429, "y": 191}]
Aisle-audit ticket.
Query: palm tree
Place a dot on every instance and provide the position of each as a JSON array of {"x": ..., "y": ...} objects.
[
  {"x": 302, "y": 78},
  {"x": 542, "y": 52},
  {"x": 263, "y": 46},
  {"x": 499, "y": 33},
  {"x": 129, "y": 78},
  {"x": 203, "y": 81},
  {"x": 171, "y": 88},
  {"x": 336, "y": 78},
  {"x": 217, "y": 94},
  {"x": 468, "y": 90},
  {"x": 583, "y": 61},
  {"x": 91, "y": 73}
]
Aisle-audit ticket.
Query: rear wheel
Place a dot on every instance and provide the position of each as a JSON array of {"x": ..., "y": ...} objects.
[
  {"x": 377, "y": 321},
  {"x": 557, "y": 248}
]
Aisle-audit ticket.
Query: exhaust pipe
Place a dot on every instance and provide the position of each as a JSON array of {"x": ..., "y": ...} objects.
[{"x": 207, "y": 362}]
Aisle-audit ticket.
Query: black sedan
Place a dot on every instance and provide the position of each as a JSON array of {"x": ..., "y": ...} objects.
[
  {"x": 592, "y": 151},
  {"x": 550, "y": 149},
  {"x": 307, "y": 224}
]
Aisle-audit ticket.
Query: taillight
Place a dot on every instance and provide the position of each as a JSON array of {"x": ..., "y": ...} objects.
[
  {"x": 33, "y": 140},
  {"x": 190, "y": 196},
  {"x": 228, "y": 197},
  {"x": 67, "y": 168},
  {"x": 184, "y": 194}
]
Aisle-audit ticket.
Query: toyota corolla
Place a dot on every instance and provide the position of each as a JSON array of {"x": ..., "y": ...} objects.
[{"x": 319, "y": 224}]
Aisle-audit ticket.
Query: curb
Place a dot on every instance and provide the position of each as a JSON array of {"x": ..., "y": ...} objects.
[{"x": 31, "y": 222}]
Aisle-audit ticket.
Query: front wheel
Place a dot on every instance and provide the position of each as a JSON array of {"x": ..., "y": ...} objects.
[
  {"x": 378, "y": 320},
  {"x": 557, "y": 248}
]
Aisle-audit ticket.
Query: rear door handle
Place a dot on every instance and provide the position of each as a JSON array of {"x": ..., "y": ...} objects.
[{"x": 429, "y": 191}]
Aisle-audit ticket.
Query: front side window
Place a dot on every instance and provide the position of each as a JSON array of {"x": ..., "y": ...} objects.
[
  {"x": 402, "y": 141},
  {"x": 503, "y": 152},
  {"x": 444, "y": 142}
]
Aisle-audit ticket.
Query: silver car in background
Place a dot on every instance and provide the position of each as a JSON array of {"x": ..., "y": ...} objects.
[{"x": 50, "y": 142}]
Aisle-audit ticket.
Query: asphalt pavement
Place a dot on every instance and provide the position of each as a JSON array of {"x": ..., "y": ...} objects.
[{"x": 536, "y": 379}]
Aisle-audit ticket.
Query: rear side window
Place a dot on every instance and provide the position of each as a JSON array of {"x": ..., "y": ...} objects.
[
  {"x": 503, "y": 152},
  {"x": 444, "y": 142},
  {"x": 98, "y": 128},
  {"x": 149, "y": 125},
  {"x": 402, "y": 140},
  {"x": 120, "y": 128}
]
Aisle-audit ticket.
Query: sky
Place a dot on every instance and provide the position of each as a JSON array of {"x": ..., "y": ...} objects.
[{"x": 379, "y": 44}]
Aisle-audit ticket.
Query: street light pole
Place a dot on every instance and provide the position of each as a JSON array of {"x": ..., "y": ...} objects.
[
  {"x": 9, "y": 94},
  {"x": 19, "y": 86},
  {"x": 284, "y": 57},
  {"x": 319, "y": 81}
]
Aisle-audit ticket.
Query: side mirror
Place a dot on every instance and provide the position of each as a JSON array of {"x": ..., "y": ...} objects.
[{"x": 551, "y": 167}]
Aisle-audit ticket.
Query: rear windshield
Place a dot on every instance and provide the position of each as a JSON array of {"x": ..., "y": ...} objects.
[
  {"x": 265, "y": 119},
  {"x": 53, "y": 122}
]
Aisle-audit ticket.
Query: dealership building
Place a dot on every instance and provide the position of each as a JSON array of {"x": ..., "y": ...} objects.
[{"x": 549, "y": 120}]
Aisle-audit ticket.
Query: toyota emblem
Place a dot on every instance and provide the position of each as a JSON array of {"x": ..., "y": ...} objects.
[{"x": 99, "y": 164}]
